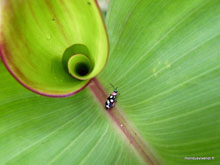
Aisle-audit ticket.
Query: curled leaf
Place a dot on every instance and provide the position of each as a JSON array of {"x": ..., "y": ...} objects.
[{"x": 53, "y": 48}]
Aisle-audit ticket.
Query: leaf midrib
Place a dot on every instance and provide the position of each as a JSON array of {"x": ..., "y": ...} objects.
[{"x": 123, "y": 125}]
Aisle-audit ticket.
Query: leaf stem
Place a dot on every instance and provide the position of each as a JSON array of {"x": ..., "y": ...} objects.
[{"x": 118, "y": 118}]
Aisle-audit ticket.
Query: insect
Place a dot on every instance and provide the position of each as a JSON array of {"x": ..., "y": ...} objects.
[{"x": 111, "y": 100}]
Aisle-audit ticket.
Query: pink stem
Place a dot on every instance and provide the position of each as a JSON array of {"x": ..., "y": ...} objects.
[{"x": 122, "y": 124}]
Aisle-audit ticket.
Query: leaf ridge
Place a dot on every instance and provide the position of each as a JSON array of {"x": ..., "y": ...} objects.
[
  {"x": 92, "y": 149},
  {"x": 177, "y": 86},
  {"x": 177, "y": 60},
  {"x": 72, "y": 142},
  {"x": 45, "y": 137},
  {"x": 159, "y": 41}
]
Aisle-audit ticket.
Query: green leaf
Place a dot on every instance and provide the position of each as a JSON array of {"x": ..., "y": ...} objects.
[
  {"x": 164, "y": 59},
  {"x": 41, "y": 130},
  {"x": 36, "y": 35}
]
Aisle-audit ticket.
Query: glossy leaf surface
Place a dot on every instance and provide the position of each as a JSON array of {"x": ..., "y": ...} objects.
[
  {"x": 166, "y": 61},
  {"x": 164, "y": 58},
  {"x": 41, "y": 130}
]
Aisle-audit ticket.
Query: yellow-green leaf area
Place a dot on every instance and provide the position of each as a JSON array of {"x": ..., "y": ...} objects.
[{"x": 35, "y": 35}]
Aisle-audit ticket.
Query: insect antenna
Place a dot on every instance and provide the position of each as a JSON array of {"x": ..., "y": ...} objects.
[{"x": 113, "y": 86}]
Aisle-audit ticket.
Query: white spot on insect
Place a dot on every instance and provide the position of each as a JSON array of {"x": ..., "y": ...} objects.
[
  {"x": 111, "y": 100},
  {"x": 108, "y": 101},
  {"x": 111, "y": 96}
]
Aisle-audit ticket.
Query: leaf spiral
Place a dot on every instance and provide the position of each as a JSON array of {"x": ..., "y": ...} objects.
[{"x": 53, "y": 48}]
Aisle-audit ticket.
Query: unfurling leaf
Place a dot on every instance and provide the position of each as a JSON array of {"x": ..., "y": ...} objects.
[{"x": 53, "y": 48}]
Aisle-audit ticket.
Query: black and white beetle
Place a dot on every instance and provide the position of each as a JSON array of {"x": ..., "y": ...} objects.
[{"x": 111, "y": 100}]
